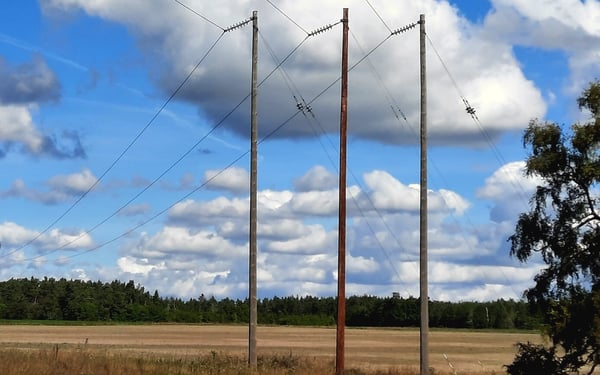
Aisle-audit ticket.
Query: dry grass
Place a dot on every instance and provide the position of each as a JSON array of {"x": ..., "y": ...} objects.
[
  {"x": 198, "y": 349},
  {"x": 83, "y": 362}
]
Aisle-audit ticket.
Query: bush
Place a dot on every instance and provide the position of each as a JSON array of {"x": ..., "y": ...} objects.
[{"x": 535, "y": 360}]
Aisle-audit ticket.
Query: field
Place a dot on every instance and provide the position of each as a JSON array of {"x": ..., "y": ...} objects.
[{"x": 472, "y": 352}]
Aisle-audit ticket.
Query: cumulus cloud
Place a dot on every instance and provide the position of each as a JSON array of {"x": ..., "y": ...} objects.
[
  {"x": 299, "y": 256},
  {"x": 312, "y": 67},
  {"x": 315, "y": 239},
  {"x": 571, "y": 26},
  {"x": 32, "y": 82},
  {"x": 75, "y": 183},
  {"x": 183, "y": 241},
  {"x": 234, "y": 179},
  {"x": 15, "y": 236},
  {"x": 317, "y": 178},
  {"x": 18, "y": 132},
  {"x": 387, "y": 193},
  {"x": 18, "y": 128},
  {"x": 509, "y": 189},
  {"x": 22, "y": 89},
  {"x": 203, "y": 245},
  {"x": 61, "y": 188}
]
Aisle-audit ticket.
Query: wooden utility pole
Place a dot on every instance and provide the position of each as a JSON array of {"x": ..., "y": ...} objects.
[
  {"x": 423, "y": 283},
  {"x": 252, "y": 356},
  {"x": 341, "y": 294}
]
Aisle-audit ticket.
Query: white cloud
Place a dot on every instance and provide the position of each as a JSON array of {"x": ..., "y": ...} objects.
[
  {"x": 179, "y": 37},
  {"x": 62, "y": 188},
  {"x": 137, "y": 265},
  {"x": 56, "y": 239},
  {"x": 13, "y": 234},
  {"x": 182, "y": 241},
  {"x": 202, "y": 247},
  {"x": 192, "y": 212},
  {"x": 16, "y": 236},
  {"x": 74, "y": 183},
  {"x": 17, "y": 126},
  {"x": 315, "y": 239},
  {"x": 390, "y": 194},
  {"x": 317, "y": 178},
  {"x": 510, "y": 190},
  {"x": 443, "y": 273},
  {"x": 232, "y": 179},
  {"x": 568, "y": 25}
]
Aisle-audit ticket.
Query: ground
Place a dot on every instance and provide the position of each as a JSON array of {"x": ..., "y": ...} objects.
[{"x": 466, "y": 351}]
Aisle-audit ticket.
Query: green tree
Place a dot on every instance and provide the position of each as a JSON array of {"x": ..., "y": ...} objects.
[{"x": 562, "y": 228}]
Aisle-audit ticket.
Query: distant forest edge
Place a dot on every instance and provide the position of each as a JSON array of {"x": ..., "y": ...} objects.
[{"x": 75, "y": 300}]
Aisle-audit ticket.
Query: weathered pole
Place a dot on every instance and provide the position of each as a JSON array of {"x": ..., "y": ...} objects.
[
  {"x": 423, "y": 283},
  {"x": 252, "y": 356},
  {"x": 341, "y": 292}
]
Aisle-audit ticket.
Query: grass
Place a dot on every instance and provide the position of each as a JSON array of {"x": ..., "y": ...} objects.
[
  {"x": 80, "y": 361},
  {"x": 180, "y": 349}
]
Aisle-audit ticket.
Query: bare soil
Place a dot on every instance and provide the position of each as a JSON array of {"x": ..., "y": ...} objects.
[{"x": 466, "y": 351}]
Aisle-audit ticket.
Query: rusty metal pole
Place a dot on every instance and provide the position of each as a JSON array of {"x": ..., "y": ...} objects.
[
  {"x": 252, "y": 356},
  {"x": 423, "y": 283},
  {"x": 341, "y": 293}
]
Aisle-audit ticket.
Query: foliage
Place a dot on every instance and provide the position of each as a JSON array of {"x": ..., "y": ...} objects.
[
  {"x": 562, "y": 228},
  {"x": 54, "y": 300},
  {"x": 535, "y": 360}
]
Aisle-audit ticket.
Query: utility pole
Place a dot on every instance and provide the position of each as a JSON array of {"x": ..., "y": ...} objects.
[
  {"x": 252, "y": 356},
  {"x": 341, "y": 294},
  {"x": 423, "y": 283}
]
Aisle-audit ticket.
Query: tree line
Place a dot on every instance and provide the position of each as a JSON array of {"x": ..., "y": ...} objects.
[{"x": 75, "y": 300}]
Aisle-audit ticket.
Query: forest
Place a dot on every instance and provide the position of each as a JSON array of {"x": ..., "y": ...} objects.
[{"x": 95, "y": 301}]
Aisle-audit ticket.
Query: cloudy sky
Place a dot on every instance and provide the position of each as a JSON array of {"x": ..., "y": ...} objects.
[{"x": 124, "y": 140}]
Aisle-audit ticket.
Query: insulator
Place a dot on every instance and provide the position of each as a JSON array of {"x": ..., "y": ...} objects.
[
  {"x": 320, "y": 30},
  {"x": 404, "y": 29},
  {"x": 470, "y": 110},
  {"x": 238, "y": 25}
]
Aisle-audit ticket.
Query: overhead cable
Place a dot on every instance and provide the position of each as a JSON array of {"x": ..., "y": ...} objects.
[
  {"x": 122, "y": 154},
  {"x": 199, "y": 15},
  {"x": 168, "y": 169}
]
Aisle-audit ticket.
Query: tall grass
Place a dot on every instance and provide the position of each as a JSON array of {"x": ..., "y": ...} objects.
[{"x": 80, "y": 361}]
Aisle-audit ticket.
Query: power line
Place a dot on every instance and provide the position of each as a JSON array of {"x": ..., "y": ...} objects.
[
  {"x": 183, "y": 156},
  {"x": 199, "y": 15},
  {"x": 306, "y": 109},
  {"x": 378, "y": 16},
  {"x": 122, "y": 154},
  {"x": 472, "y": 113},
  {"x": 286, "y": 16},
  {"x": 186, "y": 153},
  {"x": 153, "y": 217},
  {"x": 393, "y": 105}
]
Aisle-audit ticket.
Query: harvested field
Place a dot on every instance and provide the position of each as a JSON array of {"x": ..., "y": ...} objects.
[{"x": 468, "y": 351}]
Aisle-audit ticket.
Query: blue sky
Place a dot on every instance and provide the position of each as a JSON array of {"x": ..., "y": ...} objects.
[{"x": 84, "y": 102}]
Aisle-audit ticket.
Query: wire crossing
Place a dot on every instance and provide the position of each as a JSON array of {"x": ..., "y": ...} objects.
[
  {"x": 121, "y": 154},
  {"x": 181, "y": 158},
  {"x": 301, "y": 106}
]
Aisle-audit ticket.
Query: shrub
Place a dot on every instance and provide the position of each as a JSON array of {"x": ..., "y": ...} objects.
[{"x": 535, "y": 360}]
